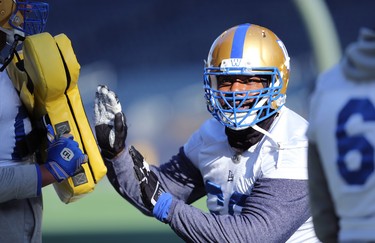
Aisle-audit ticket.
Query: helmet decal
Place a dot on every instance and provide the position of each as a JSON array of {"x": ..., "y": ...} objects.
[
  {"x": 238, "y": 40},
  {"x": 287, "y": 58}
]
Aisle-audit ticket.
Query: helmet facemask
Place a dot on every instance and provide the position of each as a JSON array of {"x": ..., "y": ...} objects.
[
  {"x": 21, "y": 18},
  {"x": 29, "y": 17},
  {"x": 242, "y": 109}
]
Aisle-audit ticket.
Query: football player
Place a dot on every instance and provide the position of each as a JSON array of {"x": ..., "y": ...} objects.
[
  {"x": 341, "y": 160},
  {"x": 250, "y": 159},
  {"x": 21, "y": 177}
]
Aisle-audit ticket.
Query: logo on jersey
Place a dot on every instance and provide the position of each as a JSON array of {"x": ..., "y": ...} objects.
[{"x": 230, "y": 176}]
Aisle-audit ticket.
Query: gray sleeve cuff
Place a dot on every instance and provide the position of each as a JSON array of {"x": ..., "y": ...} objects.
[{"x": 18, "y": 182}]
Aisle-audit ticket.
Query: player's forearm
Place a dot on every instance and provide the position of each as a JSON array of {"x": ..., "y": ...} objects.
[
  {"x": 178, "y": 176},
  {"x": 193, "y": 225},
  {"x": 19, "y": 182},
  {"x": 46, "y": 177},
  {"x": 269, "y": 215},
  {"x": 121, "y": 175}
]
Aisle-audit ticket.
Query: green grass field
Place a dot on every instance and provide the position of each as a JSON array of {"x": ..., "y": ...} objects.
[{"x": 101, "y": 216}]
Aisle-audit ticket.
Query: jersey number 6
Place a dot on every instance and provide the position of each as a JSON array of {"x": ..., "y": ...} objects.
[{"x": 355, "y": 142}]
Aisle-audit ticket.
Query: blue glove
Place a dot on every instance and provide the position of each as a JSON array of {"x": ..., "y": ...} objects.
[{"x": 64, "y": 157}]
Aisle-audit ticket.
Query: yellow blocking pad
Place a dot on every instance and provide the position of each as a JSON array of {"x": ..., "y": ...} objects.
[
  {"x": 54, "y": 70},
  {"x": 19, "y": 79},
  {"x": 97, "y": 166}
]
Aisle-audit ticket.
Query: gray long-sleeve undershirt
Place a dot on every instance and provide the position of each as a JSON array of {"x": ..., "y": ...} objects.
[
  {"x": 275, "y": 209},
  {"x": 18, "y": 182}
]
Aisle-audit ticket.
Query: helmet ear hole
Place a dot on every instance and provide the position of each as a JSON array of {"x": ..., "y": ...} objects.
[
  {"x": 16, "y": 19},
  {"x": 279, "y": 102}
]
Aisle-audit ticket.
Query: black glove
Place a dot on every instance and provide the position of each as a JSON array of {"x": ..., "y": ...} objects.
[
  {"x": 151, "y": 189},
  {"x": 110, "y": 122}
]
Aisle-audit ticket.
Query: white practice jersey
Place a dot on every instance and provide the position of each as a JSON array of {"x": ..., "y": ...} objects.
[
  {"x": 342, "y": 126},
  {"x": 230, "y": 176},
  {"x": 14, "y": 122},
  {"x": 20, "y": 191}
]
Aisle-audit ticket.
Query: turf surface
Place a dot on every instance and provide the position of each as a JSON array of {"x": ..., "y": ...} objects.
[{"x": 101, "y": 216}]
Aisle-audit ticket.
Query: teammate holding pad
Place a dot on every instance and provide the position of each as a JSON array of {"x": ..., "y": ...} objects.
[{"x": 21, "y": 177}]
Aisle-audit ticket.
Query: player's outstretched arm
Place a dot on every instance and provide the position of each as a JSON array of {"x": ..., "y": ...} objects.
[
  {"x": 111, "y": 133},
  {"x": 275, "y": 209},
  {"x": 178, "y": 176},
  {"x": 272, "y": 213}
]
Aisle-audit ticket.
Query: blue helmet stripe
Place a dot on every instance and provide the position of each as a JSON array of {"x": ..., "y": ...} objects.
[{"x": 238, "y": 41}]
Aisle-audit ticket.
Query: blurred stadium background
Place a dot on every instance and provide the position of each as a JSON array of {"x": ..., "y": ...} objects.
[{"x": 151, "y": 53}]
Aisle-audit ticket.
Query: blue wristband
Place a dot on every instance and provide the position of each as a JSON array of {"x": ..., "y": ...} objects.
[
  {"x": 39, "y": 183},
  {"x": 162, "y": 206}
]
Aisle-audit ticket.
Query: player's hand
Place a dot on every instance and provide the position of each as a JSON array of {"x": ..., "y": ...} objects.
[
  {"x": 110, "y": 122},
  {"x": 151, "y": 189},
  {"x": 64, "y": 157}
]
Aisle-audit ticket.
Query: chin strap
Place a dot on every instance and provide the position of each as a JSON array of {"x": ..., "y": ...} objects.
[
  {"x": 279, "y": 145},
  {"x": 272, "y": 138},
  {"x": 243, "y": 139},
  {"x": 266, "y": 133}
]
